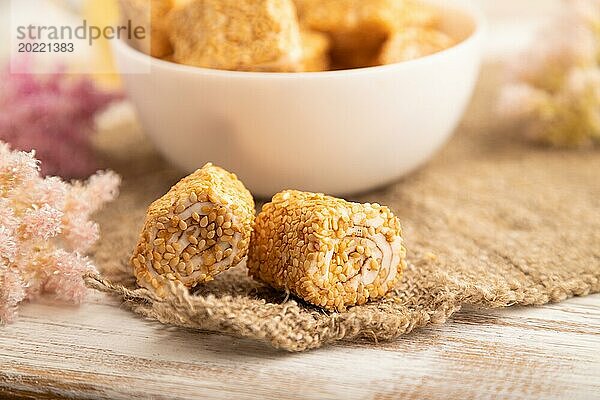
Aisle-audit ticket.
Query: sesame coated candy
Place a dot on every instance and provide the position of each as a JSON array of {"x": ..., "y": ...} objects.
[
  {"x": 359, "y": 28},
  {"x": 184, "y": 251},
  {"x": 246, "y": 35},
  {"x": 330, "y": 252},
  {"x": 150, "y": 15}
]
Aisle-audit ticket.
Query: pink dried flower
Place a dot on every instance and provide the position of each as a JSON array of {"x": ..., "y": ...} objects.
[
  {"x": 44, "y": 230},
  {"x": 100, "y": 188},
  {"x": 79, "y": 233},
  {"x": 89, "y": 197},
  {"x": 52, "y": 191},
  {"x": 44, "y": 222},
  {"x": 7, "y": 215},
  {"x": 8, "y": 244},
  {"x": 15, "y": 169},
  {"x": 64, "y": 271},
  {"x": 53, "y": 114},
  {"x": 12, "y": 292}
]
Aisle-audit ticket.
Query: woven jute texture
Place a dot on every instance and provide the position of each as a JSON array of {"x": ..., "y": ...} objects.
[{"x": 492, "y": 221}]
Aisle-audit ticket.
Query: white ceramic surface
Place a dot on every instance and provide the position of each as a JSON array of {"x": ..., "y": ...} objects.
[{"x": 337, "y": 132}]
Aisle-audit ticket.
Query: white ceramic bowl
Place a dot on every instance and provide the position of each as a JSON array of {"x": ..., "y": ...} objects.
[{"x": 337, "y": 132}]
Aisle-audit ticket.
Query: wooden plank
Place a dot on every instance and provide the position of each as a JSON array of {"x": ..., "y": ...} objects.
[{"x": 101, "y": 351}]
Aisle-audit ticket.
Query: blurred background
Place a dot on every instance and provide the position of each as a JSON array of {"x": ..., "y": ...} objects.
[{"x": 512, "y": 22}]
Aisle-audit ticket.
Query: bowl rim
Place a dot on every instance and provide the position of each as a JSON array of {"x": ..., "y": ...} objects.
[{"x": 467, "y": 7}]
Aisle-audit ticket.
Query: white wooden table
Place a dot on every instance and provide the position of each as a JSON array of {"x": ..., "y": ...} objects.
[{"x": 101, "y": 351}]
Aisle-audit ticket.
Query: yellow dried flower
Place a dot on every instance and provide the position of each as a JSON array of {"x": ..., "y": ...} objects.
[{"x": 555, "y": 87}]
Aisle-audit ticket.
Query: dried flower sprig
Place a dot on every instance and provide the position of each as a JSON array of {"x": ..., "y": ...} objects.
[
  {"x": 555, "y": 87},
  {"x": 45, "y": 229},
  {"x": 53, "y": 114}
]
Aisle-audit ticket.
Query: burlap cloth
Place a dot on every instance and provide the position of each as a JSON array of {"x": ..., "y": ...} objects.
[{"x": 492, "y": 222}]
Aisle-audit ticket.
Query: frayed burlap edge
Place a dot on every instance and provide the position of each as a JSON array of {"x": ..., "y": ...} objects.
[
  {"x": 285, "y": 326},
  {"x": 288, "y": 325}
]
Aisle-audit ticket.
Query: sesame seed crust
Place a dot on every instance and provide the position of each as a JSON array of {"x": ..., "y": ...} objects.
[
  {"x": 245, "y": 35},
  {"x": 315, "y": 46},
  {"x": 151, "y": 15},
  {"x": 359, "y": 28},
  {"x": 330, "y": 252},
  {"x": 414, "y": 42},
  {"x": 199, "y": 229}
]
